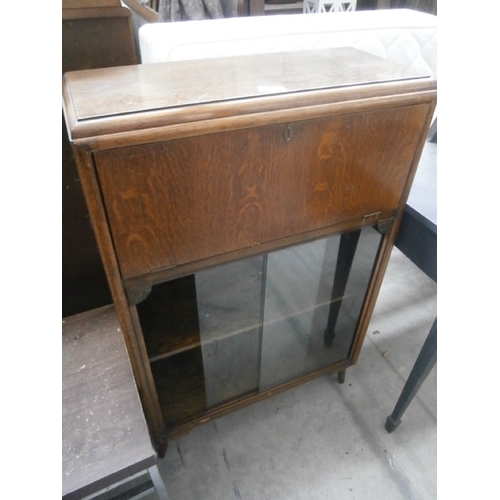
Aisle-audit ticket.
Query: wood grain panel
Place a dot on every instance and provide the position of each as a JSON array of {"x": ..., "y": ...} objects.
[{"x": 183, "y": 200}]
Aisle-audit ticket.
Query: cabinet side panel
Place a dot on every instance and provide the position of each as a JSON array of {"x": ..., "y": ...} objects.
[
  {"x": 126, "y": 314},
  {"x": 187, "y": 199}
]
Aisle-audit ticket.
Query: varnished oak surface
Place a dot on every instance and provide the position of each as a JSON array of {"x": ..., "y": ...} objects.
[
  {"x": 198, "y": 197},
  {"x": 147, "y": 87},
  {"x": 114, "y": 107},
  {"x": 104, "y": 433}
]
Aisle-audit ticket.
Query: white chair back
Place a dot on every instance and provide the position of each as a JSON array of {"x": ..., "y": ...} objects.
[{"x": 328, "y": 6}]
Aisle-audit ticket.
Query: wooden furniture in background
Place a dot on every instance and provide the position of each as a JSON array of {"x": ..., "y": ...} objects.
[
  {"x": 201, "y": 189},
  {"x": 95, "y": 34},
  {"x": 106, "y": 444}
]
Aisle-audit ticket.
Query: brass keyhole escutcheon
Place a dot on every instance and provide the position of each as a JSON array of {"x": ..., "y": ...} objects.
[{"x": 287, "y": 134}]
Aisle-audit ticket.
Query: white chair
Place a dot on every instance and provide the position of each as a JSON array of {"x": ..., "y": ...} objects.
[{"x": 327, "y": 6}]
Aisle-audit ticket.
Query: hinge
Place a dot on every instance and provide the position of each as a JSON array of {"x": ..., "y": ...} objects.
[{"x": 371, "y": 218}]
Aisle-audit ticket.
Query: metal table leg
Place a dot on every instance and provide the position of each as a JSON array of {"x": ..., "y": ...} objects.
[{"x": 423, "y": 365}]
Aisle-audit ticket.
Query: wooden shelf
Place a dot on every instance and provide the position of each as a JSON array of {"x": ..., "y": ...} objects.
[
  {"x": 169, "y": 318},
  {"x": 180, "y": 385}
]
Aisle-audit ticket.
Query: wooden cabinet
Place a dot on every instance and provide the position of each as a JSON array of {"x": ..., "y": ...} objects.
[
  {"x": 245, "y": 210},
  {"x": 95, "y": 34}
]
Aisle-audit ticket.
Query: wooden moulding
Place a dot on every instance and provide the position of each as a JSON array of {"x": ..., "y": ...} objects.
[
  {"x": 185, "y": 427},
  {"x": 114, "y": 107},
  {"x": 138, "y": 286},
  {"x": 159, "y": 125},
  {"x": 176, "y": 128},
  {"x": 89, "y": 4},
  {"x": 74, "y": 14},
  {"x": 90, "y": 9}
]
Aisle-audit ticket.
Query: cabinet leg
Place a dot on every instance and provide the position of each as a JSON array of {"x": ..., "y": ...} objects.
[
  {"x": 347, "y": 249},
  {"x": 341, "y": 376},
  {"x": 161, "y": 449}
]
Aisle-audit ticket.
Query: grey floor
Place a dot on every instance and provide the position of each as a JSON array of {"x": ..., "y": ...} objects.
[{"x": 324, "y": 440}]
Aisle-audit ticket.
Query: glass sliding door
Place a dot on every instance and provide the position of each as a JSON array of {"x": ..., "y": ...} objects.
[
  {"x": 301, "y": 300},
  {"x": 244, "y": 327},
  {"x": 230, "y": 319}
]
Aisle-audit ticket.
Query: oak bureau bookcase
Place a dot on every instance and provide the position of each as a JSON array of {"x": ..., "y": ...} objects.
[{"x": 245, "y": 209}]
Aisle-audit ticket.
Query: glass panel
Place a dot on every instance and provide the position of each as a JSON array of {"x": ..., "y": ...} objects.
[
  {"x": 250, "y": 325},
  {"x": 229, "y": 308},
  {"x": 308, "y": 286},
  {"x": 202, "y": 335},
  {"x": 169, "y": 321}
]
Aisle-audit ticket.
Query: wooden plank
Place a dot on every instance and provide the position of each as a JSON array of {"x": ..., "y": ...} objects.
[
  {"x": 74, "y": 14},
  {"x": 105, "y": 437},
  {"x": 89, "y": 4}
]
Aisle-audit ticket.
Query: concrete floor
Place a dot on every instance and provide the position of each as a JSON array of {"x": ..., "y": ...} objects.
[{"x": 324, "y": 440}]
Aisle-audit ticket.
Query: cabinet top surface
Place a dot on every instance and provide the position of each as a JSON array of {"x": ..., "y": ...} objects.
[{"x": 112, "y": 92}]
